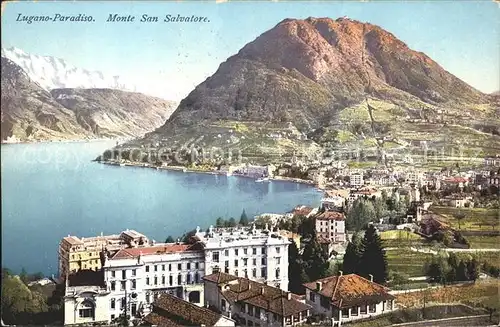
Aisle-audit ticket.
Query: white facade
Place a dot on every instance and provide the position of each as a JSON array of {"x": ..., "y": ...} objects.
[
  {"x": 86, "y": 305},
  {"x": 258, "y": 255},
  {"x": 331, "y": 229},
  {"x": 356, "y": 180},
  {"x": 134, "y": 283}
]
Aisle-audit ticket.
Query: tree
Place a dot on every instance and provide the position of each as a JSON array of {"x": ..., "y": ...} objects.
[
  {"x": 23, "y": 275},
  {"x": 459, "y": 216},
  {"x": 472, "y": 270},
  {"x": 170, "y": 239},
  {"x": 315, "y": 260},
  {"x": 231, "y": 222},
  {"x": 296, "y": 271},
  {"x": 307, "y": 227},
  {"x": 361, "y": 213},
  {"x": 373, "y": 259},
  {"x": 436, "y": 269},
  {"x": 188, "y": 237},
  {"x": 461, "y": 271},
  {"x": 352, "y": 255},
  {"x": 244, "y": 218},
  {"x": 219, "y": 222},
  {"x": 380, "y": 207}
]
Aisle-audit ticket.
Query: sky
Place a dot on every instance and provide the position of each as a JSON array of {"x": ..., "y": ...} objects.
[{"x": 172, "y": 58}]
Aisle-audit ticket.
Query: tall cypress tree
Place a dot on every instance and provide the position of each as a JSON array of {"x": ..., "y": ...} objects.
[
  {"x": 315, "y": 260},
  {"x": 350, "y": 263},
  {"x": 296, "y": 273},
  {"x": 244, "y": 218},
  {"x": 373, "y": 260}
]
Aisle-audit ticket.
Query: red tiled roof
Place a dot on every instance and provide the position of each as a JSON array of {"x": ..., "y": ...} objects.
[
  {"x": 330, "y": 215},
  {"x": 302, "y": 211},
  {"x": 239, "y": 289},
  {"x": 171, "y": 311},
  {"x": 350, "y": 290},
  {"x": 151, "y": 250},
  {"x": 456, "y": 180}
]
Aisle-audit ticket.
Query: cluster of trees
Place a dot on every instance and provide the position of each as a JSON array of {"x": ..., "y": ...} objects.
[
  {"x": 220, "y": 222},
  {"x": 366, "y": 210},
  {"x": 23, "y": 305},
  {"x": 444, "y": 270},
  {"x": 366, "y": 256},
  {"x": 493, "y": 271}
]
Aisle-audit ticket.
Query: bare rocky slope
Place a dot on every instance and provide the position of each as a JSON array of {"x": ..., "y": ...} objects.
[
  {"x": 304, "y": 79},
  {"x": 31, "y": 113}
]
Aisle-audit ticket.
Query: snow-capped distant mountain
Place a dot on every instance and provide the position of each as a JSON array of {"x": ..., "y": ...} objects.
[{"x": 54, "y": 73}]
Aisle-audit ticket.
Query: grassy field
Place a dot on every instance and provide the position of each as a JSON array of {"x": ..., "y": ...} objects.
[
  {"x": 476, "y": 219},
  {"x": 401, "y": 238},
  {"x": 485, "y": 242},
  {"x": 482, "y": 292},
  {"x": 406, "y": 261}
]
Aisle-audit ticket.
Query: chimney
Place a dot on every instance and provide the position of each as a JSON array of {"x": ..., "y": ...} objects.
[
  {"x": 319, "y": 285},
  {"x": 341, "y": 272},
  {"x": 371, "y": 277},
  {"x": 289, "y": 296},
  {"x": 262, "y": 290}
]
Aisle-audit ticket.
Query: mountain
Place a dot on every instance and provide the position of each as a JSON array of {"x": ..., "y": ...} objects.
[
  {"x": 308, "y": 84},
  {"x": 52, "y": 73},
  {"x": 29, "y": 112}
]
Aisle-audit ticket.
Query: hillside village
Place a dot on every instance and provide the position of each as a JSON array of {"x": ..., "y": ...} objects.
[{"x": 377, "y": 238}]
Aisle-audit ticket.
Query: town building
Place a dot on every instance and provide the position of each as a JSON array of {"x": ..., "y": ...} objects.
[
  {"x": 492, "y": 161},
  {"x": 356, "y": 180},
  {"x": 301, "y": 210},
  {"x": 365, "y": 192},
  {"x": 260, "y": 255},
  {"x": 135, "y": 277},
  {"x": 330, "y": 225},
  {"x": 85, "y": 253},
  {"x": 86, "y": 298},
  {"x": 346, "y": 298},
  {"x": 251, "y": 303},
  {"x": 172, "y": 311},
  {"x": 334, "y": 203}
]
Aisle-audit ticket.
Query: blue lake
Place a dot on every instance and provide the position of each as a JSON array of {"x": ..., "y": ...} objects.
[{"x": 50, "y": 190}]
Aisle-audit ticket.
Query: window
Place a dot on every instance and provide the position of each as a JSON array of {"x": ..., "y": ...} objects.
[
  {"x": 245, "y": 250},
  {"x": 113, "y": 286},
  {"x": 113, "y": 275},
  {"x": 123, "y": 285},
  {"x": 263, "y": 261},
  {"x": 325, "y": 302},
  {"x": 389, "y": 304},
  {"x": 133, "y": 284},
  {"x": 179, "y": 279},
  {"x": 236, "y": 272},
  {"x": 112, "y": 306},
  {"x": 278, "y": 273},
  {"x": 257, "y": 312},
  {"x": 363, "y": 309},
  {"x": 226, "y": 264},
  {"x": 196, "y": 278},
  {"x": 245, "y": 272},
  {"x": 122, "y": 303},
  {"x": 245, "y": 261},
  {"x": 372, "y": 308},
  {"x": 226, "y": 253},
  {"x": 311, "y": 296},
  {"x": 188, "y": 278},
  {"x": 163, "y": 267},
  {"x": 254, "y": 262},
  {"x": 263, "y": 272},
  {"x": 278, "y": 260},
  {"x": 156, "y": 280},
  {"x": 250, "y": 310},
  {"x": 188, "y": 266},
  {"x": 223, "y": 304},
  {"x": 148, "y": 299},
  {"x": 163, "y": 280},
  {"x": 215, "y": 270},
  {"x": 354, "y": 311},
  {"x": 156, "y": 268},
  {"x": 236, "y": 263},
  {"x": 147, "y": 280},
  {"x": 215, "y": 257},
  {"x": 134, "y": 272},
  {"x": 254, "y": 272},
  {"x": 169, "y": 267},
  {"x": 179, "y": 266},
  {"x": 345, "y": 313},
  {"x": 226, "y": 270},
  {"x": 263, "y": 250},
  {"x": 170, "y": 280},
  {"x": 124, "y": 274},
  {"x": 147, "y": 268},
  {"x": 134, "y": 309},
  {"x": 85, "y": 313},
  {"x": 112, "y": 317},
  {"x": 197, "y": 265},
  {"x": 235, "y": 251},
  {"x": 254, "y": 251},
  {"x": 278, "y": 249}
]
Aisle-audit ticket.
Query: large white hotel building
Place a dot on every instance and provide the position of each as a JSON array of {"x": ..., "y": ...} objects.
[{"x": 132, "y": 278}]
